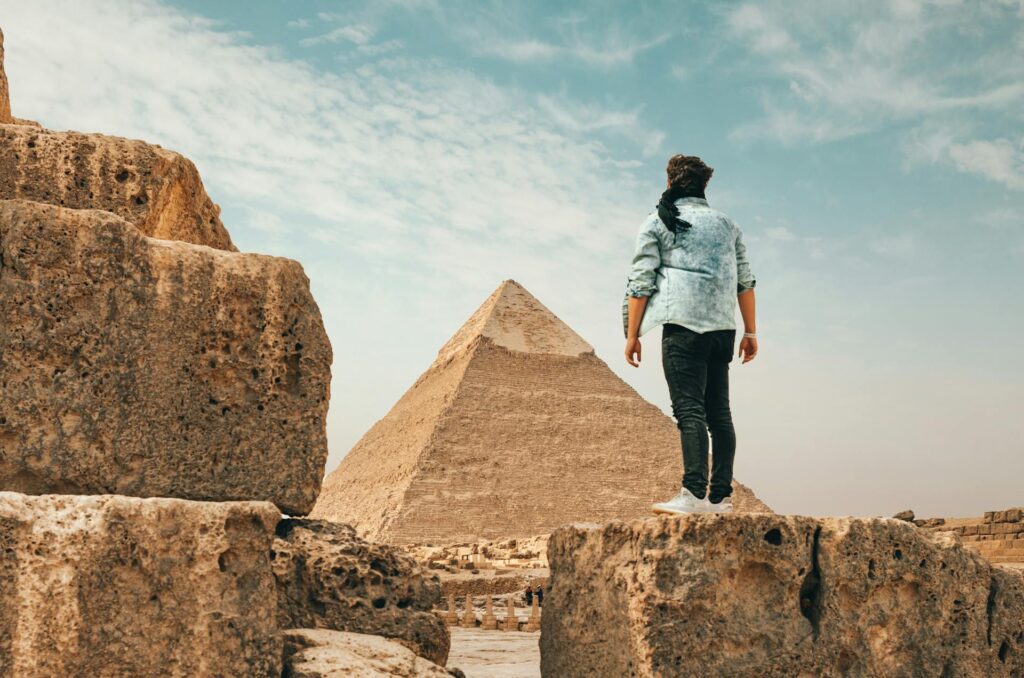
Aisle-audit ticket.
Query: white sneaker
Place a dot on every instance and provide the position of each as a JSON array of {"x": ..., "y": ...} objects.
[
  {"x": 684, "y": 502},
  {"x": 724, "y": 506}
]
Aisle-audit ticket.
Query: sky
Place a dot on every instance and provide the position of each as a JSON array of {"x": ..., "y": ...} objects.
[{"x": 412, "y": 154}]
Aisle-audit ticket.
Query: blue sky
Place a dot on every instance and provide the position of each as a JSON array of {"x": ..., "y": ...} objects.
[{"x": 414, "y": 153}]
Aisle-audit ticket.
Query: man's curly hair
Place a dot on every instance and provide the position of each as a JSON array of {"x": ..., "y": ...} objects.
[{"x": 688, "y": 174}]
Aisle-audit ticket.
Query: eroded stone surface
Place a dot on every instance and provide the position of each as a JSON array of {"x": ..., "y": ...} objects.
[
  {"x": 118, "y": 586},
  {"x": 327, "y": 577},
  {"x": 144, "y": 367},
  {"x": 157, "y": 190},
  {"x": 321, "y": 653},
  {"x": 765, "y": 595}
]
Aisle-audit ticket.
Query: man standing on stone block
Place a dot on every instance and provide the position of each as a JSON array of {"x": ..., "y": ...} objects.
[{"x": 689, "y": 272}]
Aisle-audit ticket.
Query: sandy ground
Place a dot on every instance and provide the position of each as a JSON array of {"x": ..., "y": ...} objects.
[{"x": 495, "y": 654}]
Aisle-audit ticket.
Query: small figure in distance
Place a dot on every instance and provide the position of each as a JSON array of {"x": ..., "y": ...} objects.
[
  {"x": 539, "y": 592},
  {"x": 689, "y": 273},
  {"x": 528, "y": 595}
]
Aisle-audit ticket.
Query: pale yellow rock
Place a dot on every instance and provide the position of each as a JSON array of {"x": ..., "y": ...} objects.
[
  {"x": 517, "y": 428},
  {"x": 318, "y": 653},
  {"x": 110, "y": 586},
  {"x": 766, "y": 595},
  {"x": 146, "y": 367},
  {"x": 157, "y": 190}
]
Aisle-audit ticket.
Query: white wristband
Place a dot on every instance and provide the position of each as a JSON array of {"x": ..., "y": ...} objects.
[{"x": 750, "y": 335}]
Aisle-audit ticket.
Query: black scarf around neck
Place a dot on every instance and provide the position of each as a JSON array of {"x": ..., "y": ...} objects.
[{"x": 668, "y": 211}]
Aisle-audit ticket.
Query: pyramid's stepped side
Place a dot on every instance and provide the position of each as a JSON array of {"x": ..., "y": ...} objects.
[
  {"x": 144, "y": 367},
  {"x": 516, "y": 429},
  {"x": 118, "y": 586},
  {"x": 369, "y": 492},
  {"x": 765, "y": 595}
]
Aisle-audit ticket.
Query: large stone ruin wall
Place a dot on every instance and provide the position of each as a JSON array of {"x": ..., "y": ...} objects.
[
  {"x": 765, "y": 595},
  {"x": 141, "y": 355}
]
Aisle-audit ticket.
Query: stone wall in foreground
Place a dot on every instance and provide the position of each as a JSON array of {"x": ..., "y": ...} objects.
[{"x": 766, "y": 595}]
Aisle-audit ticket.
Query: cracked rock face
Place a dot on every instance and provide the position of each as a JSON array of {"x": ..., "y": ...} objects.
[
  {"x": 319, "y": 653},
  {"x": 143, "y": 367},
  {"x": 157, "y": 190},
  {"x": 767, "y": 595},
  {"x": 327, "y": 577},
  {"x": 117, "y": 586}
]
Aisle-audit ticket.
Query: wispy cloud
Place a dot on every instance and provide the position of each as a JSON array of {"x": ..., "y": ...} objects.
[
  {"x": 1001, "y": 160},
  {"x": 502, "y": 33},
  {"x": 358, "y": 34},
  {"x": 843, "y": 69}
]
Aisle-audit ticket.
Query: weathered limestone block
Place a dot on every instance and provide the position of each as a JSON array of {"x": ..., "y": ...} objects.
[
  {"x": 765, "y": 595},
  {"x": 109, "y": 586},
  {"x": 327, "y": 577},
  {"x": 320, "y": 653},
  {"x": 157, "y": 190},
  {"x": 143, "y": 367}
]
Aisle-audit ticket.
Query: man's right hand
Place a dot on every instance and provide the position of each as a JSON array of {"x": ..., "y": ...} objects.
[
  {"x": 748, "y": 349},
  {"x": 633, "y": 351}
]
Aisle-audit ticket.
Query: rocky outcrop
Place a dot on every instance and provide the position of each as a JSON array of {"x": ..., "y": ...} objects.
[
  {"x": 157, "y": 190},
  {"x": 327, "y": 577},
  {"x": 766, "y": 595},
  {"x": 143, "y": 367},
  {"x": 318, "y": 653},
  {"x": 5, "y": 95},
  {"x": 117, "y": 586}
]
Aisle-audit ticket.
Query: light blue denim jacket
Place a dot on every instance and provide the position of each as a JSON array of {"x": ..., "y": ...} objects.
[{"x": 693, "y": 276}]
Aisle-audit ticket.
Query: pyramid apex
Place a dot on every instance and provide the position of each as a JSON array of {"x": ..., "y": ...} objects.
[{"x": 515, "y": 319}]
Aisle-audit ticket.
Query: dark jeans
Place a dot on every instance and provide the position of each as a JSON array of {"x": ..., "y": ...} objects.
[{"x": 697, "y": 371}]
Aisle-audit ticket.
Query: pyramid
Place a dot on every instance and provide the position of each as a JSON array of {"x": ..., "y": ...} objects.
[{"x": 515, "y": 429}]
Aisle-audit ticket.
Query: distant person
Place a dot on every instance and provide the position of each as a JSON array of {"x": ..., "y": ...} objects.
[
  {"x": 529, "y": 595},
  {"x": 539, "y": 592},
  {"x": 689, "y": 272}
]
